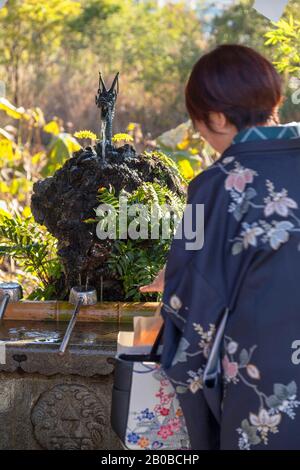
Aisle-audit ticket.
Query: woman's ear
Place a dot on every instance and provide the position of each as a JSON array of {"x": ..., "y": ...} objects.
[{"x": 218, "y": 122}]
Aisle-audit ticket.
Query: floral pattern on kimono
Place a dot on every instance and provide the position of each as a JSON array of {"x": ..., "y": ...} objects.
[
  {"x": 243, "y": 199},
  {"x": 238, "y": 366},
  {"x": 254, "y": 429},
  {"x": 252, "y": 229}
]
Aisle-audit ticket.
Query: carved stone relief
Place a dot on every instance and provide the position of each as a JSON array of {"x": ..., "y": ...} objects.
[{"x": 69, "y": 416}]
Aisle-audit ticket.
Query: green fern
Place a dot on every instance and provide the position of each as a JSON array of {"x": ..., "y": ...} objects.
[
  {"x": 136, "y": 262},
  {"x": 34, "y": 249},
  {"x": 107, "y": 196},
  {"x": 170, "y": 163}
]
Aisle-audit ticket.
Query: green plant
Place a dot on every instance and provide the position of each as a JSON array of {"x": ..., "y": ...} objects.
[
  {"x": 34, "y": 249},
  {"x": 136, "y": 262},
  {"x": 286, "y": 37},
  {"x": 23, "y": 157},
  {"x": 137, "y": 265},
  {"x": 284, "y": 44},
  {"x": 186, "y": 149}
]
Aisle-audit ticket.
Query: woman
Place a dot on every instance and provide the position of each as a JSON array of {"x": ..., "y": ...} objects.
[{"x": 240, "y": 292}]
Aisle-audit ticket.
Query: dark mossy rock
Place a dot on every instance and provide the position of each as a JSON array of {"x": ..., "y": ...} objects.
[{"x": 65, "y": 200}]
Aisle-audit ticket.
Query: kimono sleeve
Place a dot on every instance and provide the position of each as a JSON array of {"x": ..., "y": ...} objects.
[
  {"x": 195, "y": 285},
  {"x": 193, "y": 303}
]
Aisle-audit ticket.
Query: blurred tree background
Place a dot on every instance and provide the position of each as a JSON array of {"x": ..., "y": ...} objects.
[
  {"x": 50, "y": 55},
  {"x": 280, "y": 42},
  {"x": 51, "y": 51}
]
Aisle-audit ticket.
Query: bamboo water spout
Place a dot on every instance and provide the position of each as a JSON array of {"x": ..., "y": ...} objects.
[
  {"x": 9, "y": 292},
  {"x": 79, "y": 296}
]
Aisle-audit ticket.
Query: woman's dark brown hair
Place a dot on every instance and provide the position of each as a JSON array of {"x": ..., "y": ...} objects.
[{"x": 236, "y": 81}]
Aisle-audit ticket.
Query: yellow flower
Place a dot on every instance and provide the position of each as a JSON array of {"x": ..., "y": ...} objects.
[
  {"x": 131, "y": 126},
  {"x": 186, "y": 169},
  {"x": 85, "y": 134},
  {"x": 122, "y": 136},
  {"x": 184, "y": 144},
  {"x": 52, "y": 127}
]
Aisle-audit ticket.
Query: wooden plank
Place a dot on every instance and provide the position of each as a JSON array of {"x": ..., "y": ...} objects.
[
  {"x": 34, "y": 311},
  {"x": 61, "y": 311},
  {"x": 128, "y": 310},
  {"x": 100, "y": 312}
]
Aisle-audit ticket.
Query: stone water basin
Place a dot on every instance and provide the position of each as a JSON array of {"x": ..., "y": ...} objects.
[
  {"x": 49, "y": 401},
  {"x": 39, "y": 332}
]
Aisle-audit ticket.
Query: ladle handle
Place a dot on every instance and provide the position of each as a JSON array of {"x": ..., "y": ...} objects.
[
  {"x": 69, "y": 330},
  {"x": 3, "y": 305}
]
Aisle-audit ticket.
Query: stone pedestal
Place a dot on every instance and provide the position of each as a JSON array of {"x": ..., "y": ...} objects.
[{"x": 53, "y": 402}]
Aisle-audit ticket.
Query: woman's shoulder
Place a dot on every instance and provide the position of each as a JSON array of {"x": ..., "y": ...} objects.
[
  {"x": 212, "y": 181},
  {"x": 208, "y": 180}
]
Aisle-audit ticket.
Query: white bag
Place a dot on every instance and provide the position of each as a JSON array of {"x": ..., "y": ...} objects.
[{"x": 146, "y": 413}]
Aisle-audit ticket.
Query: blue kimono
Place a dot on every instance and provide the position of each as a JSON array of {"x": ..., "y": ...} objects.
[{"x": 243, "y": 287}]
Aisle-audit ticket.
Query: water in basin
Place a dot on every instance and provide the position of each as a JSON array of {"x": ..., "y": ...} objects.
[{"x": 28, "y": 332}]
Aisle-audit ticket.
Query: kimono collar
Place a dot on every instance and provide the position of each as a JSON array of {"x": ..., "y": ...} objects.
[{"x": 285, "y": 132}]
